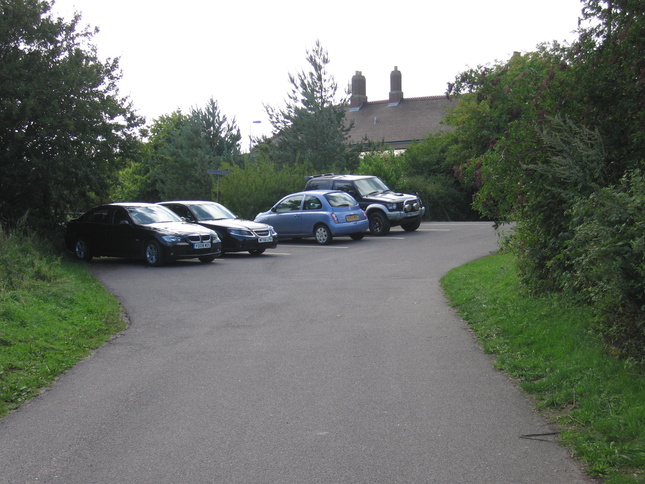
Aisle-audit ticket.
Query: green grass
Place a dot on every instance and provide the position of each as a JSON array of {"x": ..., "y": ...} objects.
[
  {"x": 549, "y": 346},
  {"x": 52, "y": 314}
]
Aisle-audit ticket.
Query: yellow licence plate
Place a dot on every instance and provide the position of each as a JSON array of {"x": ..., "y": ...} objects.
[{"x": 351, "y": 218}]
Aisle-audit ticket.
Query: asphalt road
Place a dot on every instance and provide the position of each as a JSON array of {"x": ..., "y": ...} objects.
[{"x": 309, "y": 364}]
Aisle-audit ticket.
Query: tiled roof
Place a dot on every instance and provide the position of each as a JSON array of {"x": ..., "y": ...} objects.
[{"x": 401, "y": 124}]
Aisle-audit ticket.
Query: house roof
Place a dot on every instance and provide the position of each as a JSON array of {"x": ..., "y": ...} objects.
[{"x": 399, "y": 124}]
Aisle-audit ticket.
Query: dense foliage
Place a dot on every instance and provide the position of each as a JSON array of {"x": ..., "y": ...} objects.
[
  {"x": 173, "y": 162},
  {"x": 64, "y": 128},
  {"x": 254, "y": 185},
  {"x": 552, "y": 140}
]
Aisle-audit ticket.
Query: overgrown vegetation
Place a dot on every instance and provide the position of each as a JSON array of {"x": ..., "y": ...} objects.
[
  {"x": 553, "y": 141},
  {"x": 52, "y": 314},
  {"x": 551, "y": 346}
]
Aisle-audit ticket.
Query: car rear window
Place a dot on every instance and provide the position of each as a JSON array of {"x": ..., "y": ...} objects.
[
  {"x": 340, "y": 199},
  {"x": 318, "y": 184}
]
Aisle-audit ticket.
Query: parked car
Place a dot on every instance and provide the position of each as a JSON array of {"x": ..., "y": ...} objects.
[
  {"x": 322, "y": 214},
  {"x": 140, "y": 231},
  {"x": 237, "y": 235},
  {"x": 383, "y": 207}
]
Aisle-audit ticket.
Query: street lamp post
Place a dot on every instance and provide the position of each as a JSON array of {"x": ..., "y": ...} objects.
[{"x": 251, "y": 134}]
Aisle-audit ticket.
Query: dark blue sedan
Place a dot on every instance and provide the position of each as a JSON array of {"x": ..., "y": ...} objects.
[
  {"x": 140, "y": 231},
  {"x": 322, "y": 214}
]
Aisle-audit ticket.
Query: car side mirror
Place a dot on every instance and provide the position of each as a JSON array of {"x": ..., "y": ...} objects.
[{"x": 124, "y": 222}]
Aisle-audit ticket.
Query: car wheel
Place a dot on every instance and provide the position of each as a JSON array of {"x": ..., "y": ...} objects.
[
  {"x": 152, "y": 253},
  {"x": 256, "y": 251},
  {"x": 207, "y": 259},
  {"x": 82, "y": 250},
  {"x": 358, "y": 236},
  {"x": 379, "y": 224},
  {"x": 322, "y": 234},
  {"x": 411, "y": 227}
]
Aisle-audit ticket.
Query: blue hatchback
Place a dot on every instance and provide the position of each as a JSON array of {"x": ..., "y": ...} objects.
[{"x": 322, "y": 214}]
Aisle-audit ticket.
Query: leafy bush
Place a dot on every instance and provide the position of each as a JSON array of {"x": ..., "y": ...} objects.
[
  {"x": 385, "y": 165},
  {"x": 607, "y": 256},
  {"x": 424, "y": 169},
  {"x": 569, "y": 168},
  {"x": 256, "y": 184}
]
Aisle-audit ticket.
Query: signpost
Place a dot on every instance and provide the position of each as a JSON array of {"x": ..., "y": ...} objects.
[{"x": 218, "y": 173}]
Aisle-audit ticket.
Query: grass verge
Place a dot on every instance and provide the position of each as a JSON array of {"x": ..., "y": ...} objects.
[
  {"x": 52, "y": 314},
  {"x": 548, "y": 345}
]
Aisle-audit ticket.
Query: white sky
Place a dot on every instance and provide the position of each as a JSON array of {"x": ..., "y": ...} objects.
[{"x": 179, "y": 54}]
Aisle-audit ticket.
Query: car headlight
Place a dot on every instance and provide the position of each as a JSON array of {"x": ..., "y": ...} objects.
[
  {"x": 391, "y": 206},
  {"x": 240, "y": 232},
  {"x": 172, "y": 239},
  {"x": 272, "y": 231},
  {"x": 215, "y": 237}
]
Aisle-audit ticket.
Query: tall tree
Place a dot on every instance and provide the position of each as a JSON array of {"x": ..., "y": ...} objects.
[
  {"x": 63, "y": 125},
  {"x": 312, "y": 127}
]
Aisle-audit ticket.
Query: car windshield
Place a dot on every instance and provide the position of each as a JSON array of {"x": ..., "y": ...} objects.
[
  {"x": 152, "y": 214},
  {"x": 367, "y": 186},
  {"x": 340, "y": 199},
  {"x": 211, "y": 211}
]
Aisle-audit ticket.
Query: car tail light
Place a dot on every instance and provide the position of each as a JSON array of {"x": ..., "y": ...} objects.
[{"x": 334, "y": 217}]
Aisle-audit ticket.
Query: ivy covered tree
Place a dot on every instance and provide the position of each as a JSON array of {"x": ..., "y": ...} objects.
[
  {"x": 311, "y": 127},
  {"x": 64, "y": 128}
]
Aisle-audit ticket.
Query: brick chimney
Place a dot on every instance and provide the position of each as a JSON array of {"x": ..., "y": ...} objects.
[
  {"x": 396, "y": 94},
  {"x": 359, "y": 96}
]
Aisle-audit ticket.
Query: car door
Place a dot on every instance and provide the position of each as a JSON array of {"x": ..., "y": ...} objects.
[
  {"x": 123, "y": 236},
  {"x": 286, "y": 218},
  {"x": 95, "y": 228},
  {"x": 312, "y": 213}
]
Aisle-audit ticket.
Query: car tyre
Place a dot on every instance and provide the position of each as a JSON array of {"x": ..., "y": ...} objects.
[
  {"x": 358, "y": 236},
  {"x": 322, "y": 234},
  {"x": 379, "y": 224},
  {"x": 82, "y": 250},
  {"x": 152, "y": 253},
  {"x": 207, "y": 259},
  {"x": 256, "y": 251},
  {"x": 412, "y": 226}
]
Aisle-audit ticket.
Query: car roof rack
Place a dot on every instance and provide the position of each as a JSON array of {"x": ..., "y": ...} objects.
[{"x": 316, "y": 176}]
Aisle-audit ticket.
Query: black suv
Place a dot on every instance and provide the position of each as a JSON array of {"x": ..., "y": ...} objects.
[{"x": 383, "y": 207}]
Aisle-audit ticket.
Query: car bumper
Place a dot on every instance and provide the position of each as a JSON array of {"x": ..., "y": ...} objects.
[
  {"x": 187, "y": 252},
  {"x": 351, "y": 227},
  {"x": 404, "y": 217},
  {"x": 245, "y": 244}
]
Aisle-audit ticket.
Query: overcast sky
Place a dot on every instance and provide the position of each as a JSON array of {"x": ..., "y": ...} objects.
[{"x": 179, "y": 54}]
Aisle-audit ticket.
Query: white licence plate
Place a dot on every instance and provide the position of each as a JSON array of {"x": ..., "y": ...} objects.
[
  {"x": 203, "y": 245},
  {"x": 263, "y": 240}
]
